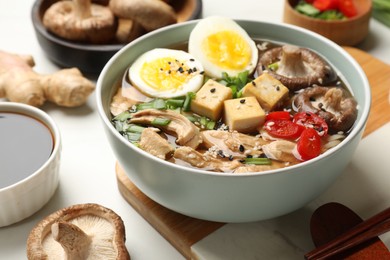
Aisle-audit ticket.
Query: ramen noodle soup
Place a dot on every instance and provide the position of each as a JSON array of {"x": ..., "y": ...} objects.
[{"x": 227, "y": 103}]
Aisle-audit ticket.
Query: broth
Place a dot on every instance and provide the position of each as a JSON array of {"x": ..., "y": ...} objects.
[
  {"x": 25, "y": 145},
  {"x": 128, "y": 97}
]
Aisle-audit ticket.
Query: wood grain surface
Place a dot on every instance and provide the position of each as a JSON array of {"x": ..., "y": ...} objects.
[{"x": 182, "y": 231}]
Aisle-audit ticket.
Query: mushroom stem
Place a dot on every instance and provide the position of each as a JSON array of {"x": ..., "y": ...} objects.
[
  {"x": 291, "y": 63},
  {"x": 82, "y": 8},
  {"x": 72, "y": 239}
]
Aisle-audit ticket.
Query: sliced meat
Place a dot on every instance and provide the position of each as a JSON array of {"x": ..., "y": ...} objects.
[
  {"x": 155, "y": 144},
  {"x": 205, "y": 162},
  {"x": 233, "y": 143},
  {"x": 186, "y": 132},
  {"x": 280, "y": 150}
]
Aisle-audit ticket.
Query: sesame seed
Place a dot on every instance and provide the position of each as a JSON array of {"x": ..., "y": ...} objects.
[
  {"x": 253, "y": 83},
  {"x": 242, "y": 101},
  {"x": 192, "y": 59},
  {"x": 241, "y": 148},
  {"x": 212, "y": 90}
]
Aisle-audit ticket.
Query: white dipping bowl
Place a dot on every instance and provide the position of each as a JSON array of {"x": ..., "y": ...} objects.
[
  {"x": 233, "y": 197},
  {"x": 25, "y": 197}
]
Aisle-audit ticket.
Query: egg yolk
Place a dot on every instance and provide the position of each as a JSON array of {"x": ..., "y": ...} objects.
[
  {"x": 166, "y": 73},
  {"x": 227, "y": 50}
]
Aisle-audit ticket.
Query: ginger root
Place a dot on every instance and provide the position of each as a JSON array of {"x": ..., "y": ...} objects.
[{"x": 19, "y": 83}]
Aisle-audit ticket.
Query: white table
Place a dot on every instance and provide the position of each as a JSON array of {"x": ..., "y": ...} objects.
[{"x": 87, "y": 169}]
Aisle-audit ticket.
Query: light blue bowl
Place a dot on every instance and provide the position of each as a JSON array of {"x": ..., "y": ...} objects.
[{"x": 227, "y": 197}]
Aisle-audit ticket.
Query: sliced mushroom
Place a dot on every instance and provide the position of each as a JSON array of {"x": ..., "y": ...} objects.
[
  {"x": 333, "y": 104},
  {"x": 79, "y": 20},
  {"x": 296, "y": 67},
  {"x": 204, "y": 161},
  {"x": 280, "y": 150},
  {"x": 84, "y": 231},
  {"x": 233, "y": 143},
  {"x": 186, "y": 132},
  {"x": 151, "y": 14},
  {"x": 154, "y": 144}
]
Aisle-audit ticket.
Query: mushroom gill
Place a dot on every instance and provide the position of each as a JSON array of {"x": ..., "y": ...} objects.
[
  {"x": 335, "y": 105},
  {"x": 84, "y": 231},
  {"x": 296, "y": 67}
]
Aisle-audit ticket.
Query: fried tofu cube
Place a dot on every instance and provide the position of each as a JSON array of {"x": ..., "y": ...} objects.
[
  {"x": 209, "y": 99},
  {"x": 244, "y": 115},
  {"x": 268, "y": 91}
]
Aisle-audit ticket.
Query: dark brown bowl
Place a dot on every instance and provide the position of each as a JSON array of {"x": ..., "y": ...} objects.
[{"x": 91, "y": 58}]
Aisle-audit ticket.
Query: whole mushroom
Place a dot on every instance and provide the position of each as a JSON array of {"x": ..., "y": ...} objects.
[
  {"x": 79, "y": 232},
  {"x": 150, "y": 14},
  {"x": 80, "y": 20},
  {"x": 296, "y": 67},
  {"x": 333, "y": 104}
]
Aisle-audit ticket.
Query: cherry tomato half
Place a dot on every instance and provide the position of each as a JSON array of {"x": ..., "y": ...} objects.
[
  {"x": 283, "y": 128},
  {"x": 347, "y": 7},
  {"x": 278, "y": 115},
  {"x": 311, "y": 120},
  {"x": 309, "y": 144},
  {"x": 324, "y": 5}
]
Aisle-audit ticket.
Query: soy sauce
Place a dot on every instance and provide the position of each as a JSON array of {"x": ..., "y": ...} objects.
[{"x": 25, "y": 145}]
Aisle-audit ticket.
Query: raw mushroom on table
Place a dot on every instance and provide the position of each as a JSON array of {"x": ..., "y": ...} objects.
[{"x": 79, "y": 232}]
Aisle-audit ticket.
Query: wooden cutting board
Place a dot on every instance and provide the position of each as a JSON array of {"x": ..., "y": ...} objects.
[{"x": 183, "y": 232}]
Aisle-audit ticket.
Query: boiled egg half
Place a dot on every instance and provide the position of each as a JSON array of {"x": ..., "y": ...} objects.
[
  {"x": 221, "y": 45},
  {"x": 166, "y": 73}
]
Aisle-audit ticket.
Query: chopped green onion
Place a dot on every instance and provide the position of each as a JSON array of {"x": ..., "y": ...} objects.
[
  {"x": 203, "y": 121},
  {"x": 159, "y": 104},
  {"x": 135, "y": 128},
  {"x": 258, "y": 161},
  {"x": 191, "y": 118},
  {"x": 174, "y": 103},
  {"x": 143, "y": 106},
  {"x": 133, "y": 137},
  {"x": 123, "y": 116},
  {"x": 235, "y": 83},
  {"x": 210, "y": 125},
  {"x": 158, "y": 121},
  {"x": 274, "y": 66},
  {"x": 156, "y": 104},
  {"x": 243, "y": 77},
  {"x": 118, "y": 125},
  {"x": 187, "y": 101}
]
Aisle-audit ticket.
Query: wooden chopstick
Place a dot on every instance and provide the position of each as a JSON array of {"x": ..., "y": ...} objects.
[{"x": 372, "y": 227}]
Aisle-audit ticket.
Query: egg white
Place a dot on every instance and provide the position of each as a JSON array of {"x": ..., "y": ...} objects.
[
  {"x": 210, "y": 26},
  {"x": 165, "y": 83}
]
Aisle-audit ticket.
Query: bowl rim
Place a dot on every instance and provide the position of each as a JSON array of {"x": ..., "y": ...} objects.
[
  {"x": 44, "y": 118},
  {"x": 354, "y": 133}
]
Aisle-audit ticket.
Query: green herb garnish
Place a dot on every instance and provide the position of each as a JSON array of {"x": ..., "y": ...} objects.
[{"x": 258, "y": 161}]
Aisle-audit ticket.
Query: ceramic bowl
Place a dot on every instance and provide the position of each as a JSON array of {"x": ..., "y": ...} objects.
[
  {"x": 23, "y": 198},
  {"x": 90, "y": 58},
  {"x": 221, "y": 196},
  {"x": 345, "y": 32}
]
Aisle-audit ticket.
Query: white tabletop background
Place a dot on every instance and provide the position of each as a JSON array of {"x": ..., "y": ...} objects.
[{"x": 87, "y": 168}]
